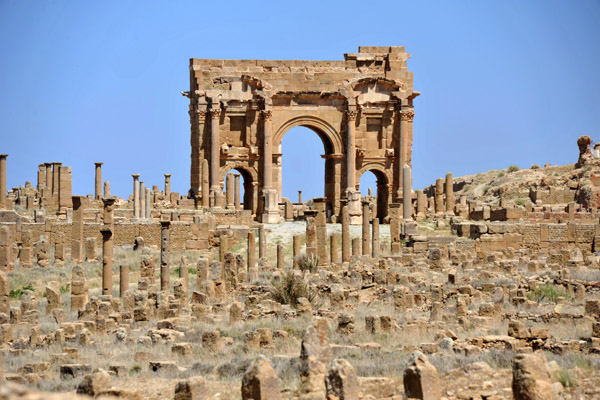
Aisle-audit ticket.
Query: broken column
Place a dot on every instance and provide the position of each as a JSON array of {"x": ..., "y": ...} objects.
[
  {"x": 321, "y": 227},
  {"x": 98, "y": 181},
  {"x": 90, "y": 249},
  {"x": 3, "y": 181},
  {"x": 65, "y": 191},
  {"x": 167, "y": 186},
  {"x": 148, "y": 204},
  {"x": 295, "y": 250},
  {"x": 300, "y": 196},
  {"x": 366, "y": 239},
  {"x": 136, "y": 196},
  {"x": 79, "y": 289},
  {"x": 205, "y": 184},
  {"x": 107, "y": 246},
  {"x": 262, "y": 242},
  {"x": 421, "y": 204},
  {"x": 449, "y": 194},
  {"x": 439, "y": 196},
  {"x": 280, "y": 257},
  {"x": 6, "y": 262},
  {"x": 375, "y": 239},
  {"x": 311, "y": 232},
  {"x": 406, "y": 193},
  {"x": 123, "y": 280},
  {"x": 394, "y": 213},
  {"x": 164, "y": 256},
  {"x": 252, "y": 270},
  {"x": 26, "y": 259},
  {"x": 334, "y": 249},
  {"x": 77, "y": 230},
  {"x": 107, "y": 189}
]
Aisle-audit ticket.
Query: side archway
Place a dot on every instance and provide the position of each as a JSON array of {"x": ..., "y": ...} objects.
[
  {"x": 383, "y": 177},
  {"x": 250, "y": 179}
]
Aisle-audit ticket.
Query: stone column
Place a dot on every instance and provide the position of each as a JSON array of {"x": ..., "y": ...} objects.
[
  {"x": 215, "y": 151},
  {"x": 270, "y": 200},
  {"x": 55, "y": 179},
  {"x": 205, "y": 184},
  {"x": 334, "y": 249},
  {"x": 375, "y": 246},
  {"x": 366, "y": 239},
  {"x": 3, "y": 181},
  {"x": 6, "y": 258},
  {"x": 164, "y": 256},
  {"x": 148, "y": 204},
  {"x": 142, "y": 201},
  {"x": 350, "y": 149},
  {"x": 404, "y": 144},
  {"x": 251, "y": 255},
  {"x": 300, "y": 196},
  {"x": 229, "y": 191},
  {"x": 295, "y": 249},
  {"x": 311, "y": 232},
  {"x": 107, "y": 246},
  {"x": 450, "y": 193},
  {"x": 421, "y": 204},
  {"x": 356, "y": 247},
  {"x": 439, "y": 196},
  {"x": 41, "y": 177},
  {"x": 280, "y": 258},
  {"x": 237, "y": 192},
  {"x": 65, "y": 189},
  {"x": 262, "y": 243},
  {"x": 345, "y": 233},
  {"x": 167, "y": 186},
  {"x": 406, "y": 193},
  {"x": 321, "y": 227},
  {"x": 136, "y": 196},
  {"x": 49, "y": 180},
  {"x": 98, "y": 181},
  {"x": 107, "y": 189},
  {"x": 123, "y": 280},
  {"x": 77, "y": 231},
  {"x": 394, "y": 213}
]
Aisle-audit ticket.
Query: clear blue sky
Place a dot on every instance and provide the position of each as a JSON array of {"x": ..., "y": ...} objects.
[{"x": 502, "y": 82}]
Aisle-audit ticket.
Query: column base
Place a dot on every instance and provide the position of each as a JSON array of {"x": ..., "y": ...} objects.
[{"x": 354, "y": 207}]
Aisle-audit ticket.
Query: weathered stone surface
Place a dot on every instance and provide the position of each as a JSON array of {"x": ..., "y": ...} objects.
[
  {"x": 421, "y": 380},
  {"x": 531, "y": 380},
  {"x": 260, "y": 381},
  {"x": 341, "y": 380}
]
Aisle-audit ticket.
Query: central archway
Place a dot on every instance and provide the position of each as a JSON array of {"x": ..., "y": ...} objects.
[{"x": 332, "y": 145}]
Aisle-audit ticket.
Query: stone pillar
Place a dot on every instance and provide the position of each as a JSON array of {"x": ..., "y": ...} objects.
[
  {"x": 107, "y": 246},
  {"x": 421, "y": 204},
  {"x": 215, "y": 151},
  {"x": 167, "y": 186},
  {"x": 237, "y": 192},
  {"x": 77, "y": 231},
  {"x": 123, "y": 280},
  {"x": 26, "y": 260},
  {"x": 375, "y": 243},
  {"x": 136, "y": 196},
  {"x": 205, "y": 184},
  {"x": 98, "y": 181},
  {"x": 148, "y": 204},
  {"x": 295, "y": 249},
  {"x": 3, "y": 181},
  {"x": 345, "y": 233},
  {"x": 229, "y": 191},
  {"x": 65, "y": 191},
  {"x": 356, "y": 247},
  {"x": 394, "y": 213},
  {"x": 334, "y": 249},
  {"x": 107, "y": 189},
  {"x": 280, "y": 257},
  {"x": 366, "y": 239},
  {"x": 251, "y": 256},
  {"x": 55, "y": 180},
  {"x": 49, "y": 180},
  {"x": 439, "y": 196},
  {"x": 142, "y": 201},
  {"x": 350, "y": 149},
  {"x": 450, "y": 193},
  {"x": 321, "y": 226},
  {"x": 164, "y": 256},
  {"x": 270, "y": 195},
  {"x": 404, "y": 144},
  {"x": 41, "y": 181},
  {"x": 406, "y": 193},
  {"x": 262, "y": 243},
  {"x": 300, "y": 196},
  {"x": 6, "y": 260}
]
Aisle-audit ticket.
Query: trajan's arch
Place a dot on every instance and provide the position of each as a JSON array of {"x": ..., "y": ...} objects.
[{"x": 361, "y": 108}]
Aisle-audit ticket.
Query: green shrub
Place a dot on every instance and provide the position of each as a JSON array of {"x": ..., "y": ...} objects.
[
  {"x": 290, "y": 288},
  {"x": 565, "y": 378},
  {"x": 546, "y": 292},
  {"x": 486, "y": 189},
  {"x": 307, "y": 262},
  {"x": 65, "y": 289},
  {"x": 513, "y": 168},
  {"x": 501, "y": 174},
  {"x": 17, "y": 293},
  {"x": 135, "y": 369},
  {"x": 520, "y": 202},
  {"x": 535, "y": 166}
]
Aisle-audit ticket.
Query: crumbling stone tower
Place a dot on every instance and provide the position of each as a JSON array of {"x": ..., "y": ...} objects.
[{"x": 361, "y": 108}]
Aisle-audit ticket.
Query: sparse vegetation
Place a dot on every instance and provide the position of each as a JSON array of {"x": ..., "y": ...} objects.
[
  {"x": 307, "y": 262},
  {"x": 565, "y": 378},
  {"x": 512, "y": 168},
  {"x": 520, "y": 202},
  {"x": 18, "y": 293},
  {"x": 546, "y": 292},
  {"x": 290, "y": 288},
  {"x": 535, "y": 166}
]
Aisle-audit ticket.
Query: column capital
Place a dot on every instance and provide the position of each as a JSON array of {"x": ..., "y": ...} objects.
[
  {"x": 407, "y": 115},
  {"x": 201, "y": 115},
  {"x": 167, "y": 175},
  {"x": 3, "y": 155},
  {"x": 135, "y": 176},
  {"x": 215, "y": 113},
  {"x": 98, "y": 164},
  {"x": 266, "y": 114},
  {"x": 57, "y": 164},
  {"x": 351, "y": 115}
]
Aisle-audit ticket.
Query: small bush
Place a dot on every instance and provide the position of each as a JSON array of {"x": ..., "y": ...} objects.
[
  {"x": 513, "y": 168},
  {"x": 307, "y": 262},
  {"x": 520, "y": 202},
  {"x": 65, "y": 289},
  {"x": 17, "y": 293},
  {"x": 501, "y": 174},
  {"x": 565, "y": 378},
  {"x": 290, "y": 289},
  {"x": 535, "y": 166},
  {"x": 486, "y": 189},
  {"x": 546, "y": 292},
  {"x": 135, "y": 369}
]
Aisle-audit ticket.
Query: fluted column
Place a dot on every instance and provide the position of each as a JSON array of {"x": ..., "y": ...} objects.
[
  {"x": 3, "y": 181},
  {"x": 98, "y": 181},
  {"x": 167, "y": 186},
  {"x": 136, "y": 195},
  {"x": 215, "y": 151},
  {"x": 404, "y": 145}
]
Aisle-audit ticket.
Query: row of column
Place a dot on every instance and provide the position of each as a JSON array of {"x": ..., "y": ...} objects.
[{"x": 142, "y": 197}]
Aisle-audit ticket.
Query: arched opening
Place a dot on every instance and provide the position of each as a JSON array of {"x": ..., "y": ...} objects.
[
  {"x": 242, "y": 188},
  {"x": 377, "y": 182}
]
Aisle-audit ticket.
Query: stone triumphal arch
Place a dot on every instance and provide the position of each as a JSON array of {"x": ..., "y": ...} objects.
[{"x": 361, "y": 108}]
